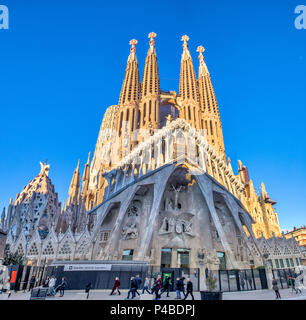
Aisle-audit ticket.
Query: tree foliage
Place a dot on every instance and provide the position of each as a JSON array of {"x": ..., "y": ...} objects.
[{"x": 12, "y": 259}]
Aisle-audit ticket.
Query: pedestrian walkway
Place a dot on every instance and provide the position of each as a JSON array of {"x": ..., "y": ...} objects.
[{"x": 286, "y": 294}]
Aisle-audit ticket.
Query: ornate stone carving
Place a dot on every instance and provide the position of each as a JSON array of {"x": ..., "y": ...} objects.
[{"x": 130, "y": 231}]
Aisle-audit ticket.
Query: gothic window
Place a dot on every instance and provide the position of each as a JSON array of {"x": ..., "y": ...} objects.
[
  {"x": 65, "y": 249},
  {"x": 296, "y": 250},
  {"x": 20, "y": 250},
  {"x": 104, "y": 236},
  {"x": 33, "y": 250},
  {"x": 81, "y": 247},
  {"x": 48, "y": 250},
  {"x": 277, "y": 251},
  {"x": 287, "y": 251}
]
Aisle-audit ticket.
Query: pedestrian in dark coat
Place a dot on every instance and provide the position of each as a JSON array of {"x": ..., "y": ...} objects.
[
  {"x": 32, "y": 283},
  {"x": 275, "y": 288},
  {"x": 166, "y": 286},
  {"x": 179, "y": 288},
  {"x": 157, "y": 286},
  {"x": 138, "y": 282},
  {"x": 133, "y": 287},
  {"x": 62, "y": 287},
  {"x": 46, "y": 282},
  {"x": 87, "y": 289},
  {"x": 189, "y": 289}
]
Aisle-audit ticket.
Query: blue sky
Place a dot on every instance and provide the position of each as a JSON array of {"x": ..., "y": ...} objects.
[{"x": 63, "y": 62}]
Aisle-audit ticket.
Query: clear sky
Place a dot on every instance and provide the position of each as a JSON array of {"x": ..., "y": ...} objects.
[{"x": 63, "y": 63}]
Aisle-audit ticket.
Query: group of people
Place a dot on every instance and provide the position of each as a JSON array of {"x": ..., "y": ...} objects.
[
  {"x": 50, "y": 283},
  {"x": 158, "y": 288},
  {"x": 292, "y": 282}
]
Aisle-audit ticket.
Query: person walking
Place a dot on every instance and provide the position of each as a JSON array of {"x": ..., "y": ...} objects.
[
  {"x": 242, "y": 283},
  {"x": 133, "y": 286},
  {"x": 116, "y": 287},
  {"x": 292, "y": 284},
  {"x": 32, "y": 282},
  {"x": 138, "y": 282},
  {"x": 87, "y": 289},
  {"x": 46, "y": 282},
  {"x": 166, "y": 286},
  {"x": 146, "y": 286},
  {"x": 7, "y": 287},
  {"x": 51, "y": 285},
  {"x": 62, "y": 287},
  {"x": 157, "y": 286},
  {"x": 183, "y": 286},
  {"x": 153, "y": 287},
  {"x": 189, "y": 289},
  {"x": 297, "y": 286},
  {"x": 275, "y": 288},
  {"x": 179, "y": 288}
]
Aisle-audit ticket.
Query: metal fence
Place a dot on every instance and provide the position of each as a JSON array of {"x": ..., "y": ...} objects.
[
  {"x": 282, "y": 276},
  {"x": 241, "y": 280}
]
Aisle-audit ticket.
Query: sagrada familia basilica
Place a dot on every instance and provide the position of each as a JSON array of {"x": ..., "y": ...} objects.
[{"x": 159, "y": 187}]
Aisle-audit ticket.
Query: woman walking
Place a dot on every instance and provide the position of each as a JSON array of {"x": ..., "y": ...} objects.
[
  {"x": 116, "y": 287},
  {"x": 146, "y": 286},
  {"x": 275, "y": 288}
]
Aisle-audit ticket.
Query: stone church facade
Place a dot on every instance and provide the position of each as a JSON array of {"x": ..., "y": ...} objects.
[{"x": 159, "y": 188}]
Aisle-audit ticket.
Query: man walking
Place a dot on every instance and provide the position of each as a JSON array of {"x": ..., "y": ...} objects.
[
  {"x": 179, "y": 288},
  {"x": 166, "y": 286},
  {"x": 32, "y": 282},
  {"x": 189, "y": 289},
  {"x": 138, "y": 282},
  {"x": 133, "y": 286}
]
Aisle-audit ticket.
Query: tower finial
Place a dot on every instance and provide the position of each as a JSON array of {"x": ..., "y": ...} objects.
[
  {"x": 201, "y": 49},
  {"x": 185, "y": 38},
  {"x": 133, "y": 43},
  {"x": 152, "y": 35}
]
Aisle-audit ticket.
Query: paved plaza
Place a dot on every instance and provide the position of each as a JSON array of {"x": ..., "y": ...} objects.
[{"x": 286, "y": 294}]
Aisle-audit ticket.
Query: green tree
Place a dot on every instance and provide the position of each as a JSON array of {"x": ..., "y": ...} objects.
[{"x": 12, "y": 259}]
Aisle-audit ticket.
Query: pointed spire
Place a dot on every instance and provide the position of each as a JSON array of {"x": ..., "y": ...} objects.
[
  {"x": 188, "y": 88},
  {"x": 85, "y": 178},
  {"x": 150, "y": 89},
  {"x": 209, "y": 106},
  {"x": 203, "y": 70},
  {"x": 263, "y": 190},
  {"x": 2, "y": 220},
  {"x": 74, "y": 186},
  {"x": 150, "y": 80},
  {"x": 130, "y": 91}
]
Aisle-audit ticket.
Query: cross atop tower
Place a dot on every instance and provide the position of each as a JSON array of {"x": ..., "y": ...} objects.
[{"x": 133, "y": 43}]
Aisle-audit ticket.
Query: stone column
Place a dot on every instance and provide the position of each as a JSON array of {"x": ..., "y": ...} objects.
[{"x": 206, "y": 188}]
